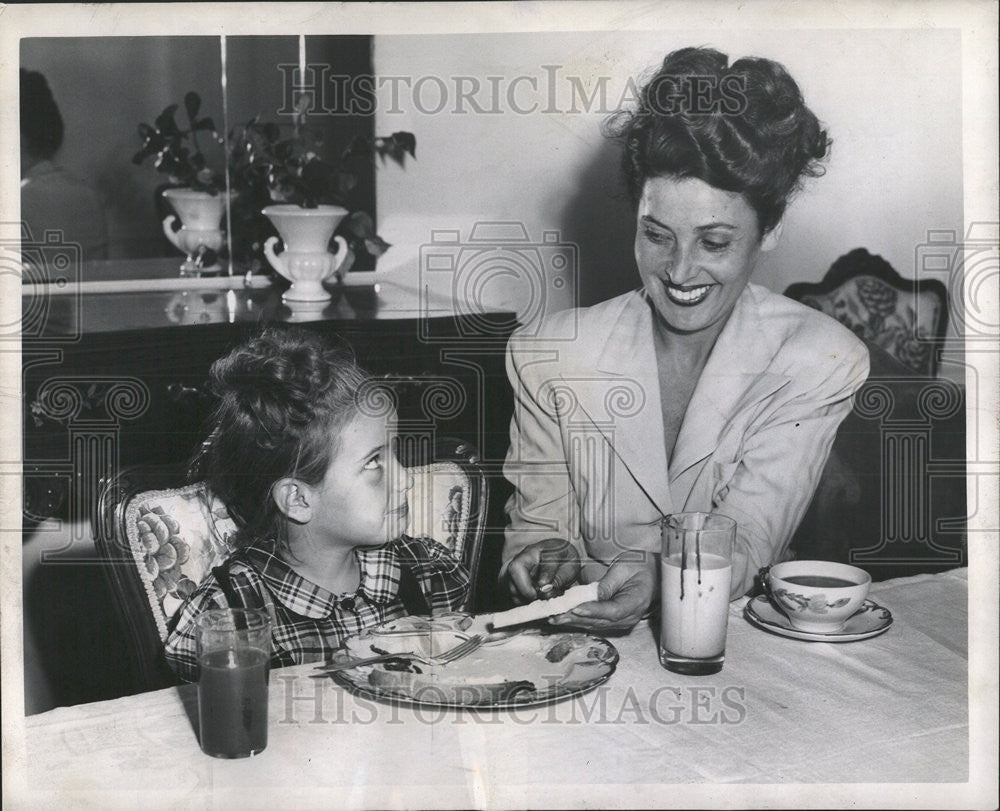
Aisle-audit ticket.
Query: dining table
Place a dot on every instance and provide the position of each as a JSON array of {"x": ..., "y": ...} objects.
[{"x": 785, "y": 723}]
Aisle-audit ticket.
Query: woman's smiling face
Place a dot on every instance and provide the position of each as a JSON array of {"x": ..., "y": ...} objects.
[{"x": 696, "y": 247}]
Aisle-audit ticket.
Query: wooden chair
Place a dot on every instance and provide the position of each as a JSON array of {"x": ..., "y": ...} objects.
[
  {"x": 905, "y": 318},
  {"x": 891, "y": 498},
  {"x": 159, "y": 536}
]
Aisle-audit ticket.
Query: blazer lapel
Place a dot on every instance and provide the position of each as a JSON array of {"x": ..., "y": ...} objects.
[
  {"x": 735, "y": 376},
  {"x": 628, "y": 359}
]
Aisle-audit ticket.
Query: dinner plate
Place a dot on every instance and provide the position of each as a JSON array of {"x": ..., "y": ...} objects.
[
  {"x": 524, "y": 669},
  {"x": 870, "y": 620}
]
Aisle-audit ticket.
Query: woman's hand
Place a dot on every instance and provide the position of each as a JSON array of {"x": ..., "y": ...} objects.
[
  {"x": 543, "y": 570},
  {"x": 626, "y": 591}
]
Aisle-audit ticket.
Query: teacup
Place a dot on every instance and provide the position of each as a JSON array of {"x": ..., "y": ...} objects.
[{"x": 817, "y": 595}]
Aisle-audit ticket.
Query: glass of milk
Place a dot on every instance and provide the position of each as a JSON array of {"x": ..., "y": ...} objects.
[{"x": 696, "y": 568}]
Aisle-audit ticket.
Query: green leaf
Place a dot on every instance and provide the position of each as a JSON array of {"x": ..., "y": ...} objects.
[
  {"x": 360, "y": 224},
  {"x": 358, "y": 146},
  {"x": 407, "y": 141},
  {"x": 312, "y": 135},
  {"x": 165, "y": 121},
  {"x": 376, "y": 246},
  {"x": 192, "y": 103},
  {"x": 346, "y": 182}
]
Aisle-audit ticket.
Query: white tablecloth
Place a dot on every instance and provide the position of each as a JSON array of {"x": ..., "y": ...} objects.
[{"x": 889, "y": 709}]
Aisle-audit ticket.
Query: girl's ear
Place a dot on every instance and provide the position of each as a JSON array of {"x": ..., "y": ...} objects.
[
  {"x": 293, "y": 499},
  {"x": 771, "y": 238}
]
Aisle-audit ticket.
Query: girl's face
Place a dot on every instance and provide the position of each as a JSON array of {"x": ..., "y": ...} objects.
[
  {"x": 362, "y": 500},
  {"x": 696, "y": 247}
]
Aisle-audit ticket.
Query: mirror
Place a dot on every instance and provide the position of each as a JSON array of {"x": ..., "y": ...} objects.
[{"x": 104, "y": 87}]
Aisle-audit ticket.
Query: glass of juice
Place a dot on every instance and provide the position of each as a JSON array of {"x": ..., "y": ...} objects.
[
  {"x": 696, "y": 569},
  {"x": 234, "y": 652}
]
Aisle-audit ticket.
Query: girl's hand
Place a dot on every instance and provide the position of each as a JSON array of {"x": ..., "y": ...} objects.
[{"x": 543, "y": 570}]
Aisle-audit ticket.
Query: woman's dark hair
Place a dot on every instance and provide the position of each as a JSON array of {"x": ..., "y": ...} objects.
[
  {"x": 283, "y": 396},
  {"x": 41, "y": 123},
  {"x": 742, "y": 128}
]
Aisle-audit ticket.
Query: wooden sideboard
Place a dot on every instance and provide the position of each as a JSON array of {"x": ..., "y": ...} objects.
[{"x": 123, "y": 393}]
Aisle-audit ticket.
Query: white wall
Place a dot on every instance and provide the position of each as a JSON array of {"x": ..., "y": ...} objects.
[
  {"x": 104, "y": 88},
  {"x": 891, "y": 101}
]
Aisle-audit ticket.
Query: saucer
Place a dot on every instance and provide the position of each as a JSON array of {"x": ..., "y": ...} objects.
[{"x": 870, "y": 620}]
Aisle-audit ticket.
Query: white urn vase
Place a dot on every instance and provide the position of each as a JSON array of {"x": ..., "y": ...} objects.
[
  {"x": 306, "y": 261},
  {"x": 201, "y": 216}
]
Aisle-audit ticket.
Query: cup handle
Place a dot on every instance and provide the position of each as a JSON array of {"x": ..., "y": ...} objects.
[
  {"x": 764, "y": 575},
  {"x": 338, "y": 257},
  {"x": 277, "y": 262},
  {"x": 170, "y": 233}
]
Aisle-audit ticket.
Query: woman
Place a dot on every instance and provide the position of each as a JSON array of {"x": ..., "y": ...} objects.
[
  {"x": 51, "y": 199},
  {"x": 700, "y": 391}
]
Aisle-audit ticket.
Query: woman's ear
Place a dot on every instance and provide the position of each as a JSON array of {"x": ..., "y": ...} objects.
[
  {"x": 293, "y": 499},
  {"x": 771, "y": 238}
]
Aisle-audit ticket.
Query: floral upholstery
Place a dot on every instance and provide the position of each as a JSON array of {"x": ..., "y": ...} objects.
[
  {"x": 177, "y": 536},
  {"x": 439, "y": 505},
  {"x": 871, "y": 299}
]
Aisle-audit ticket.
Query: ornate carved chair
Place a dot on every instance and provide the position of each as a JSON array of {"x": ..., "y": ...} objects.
[
  {"x": 892, "y": 495},
  {"x": 905, "y": 318},
  {"x": 159, "y": 536}
]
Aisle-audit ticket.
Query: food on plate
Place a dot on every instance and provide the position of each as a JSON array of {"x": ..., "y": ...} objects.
[{"x": 507, "y": 668}]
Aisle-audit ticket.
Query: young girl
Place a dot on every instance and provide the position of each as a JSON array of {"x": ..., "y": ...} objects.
[{"x": 311, "y": 477}]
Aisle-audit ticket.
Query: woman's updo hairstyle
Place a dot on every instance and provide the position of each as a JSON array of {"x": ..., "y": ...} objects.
[
  {"x": 283, "y": 396},
  {"x": 742, "y": 128}
]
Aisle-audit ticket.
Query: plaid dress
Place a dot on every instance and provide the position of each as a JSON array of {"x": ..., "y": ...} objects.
[{"x": 307, "y": 621}]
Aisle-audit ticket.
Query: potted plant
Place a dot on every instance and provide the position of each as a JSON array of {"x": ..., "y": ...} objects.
[
  {"x": 281, "y": 181},
  {"x": 193, "y": 188}
]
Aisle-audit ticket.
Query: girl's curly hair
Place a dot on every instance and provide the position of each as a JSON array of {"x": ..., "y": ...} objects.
[
  {"x": 283, "y": 396},
  {"x": 742, "y": 128}
]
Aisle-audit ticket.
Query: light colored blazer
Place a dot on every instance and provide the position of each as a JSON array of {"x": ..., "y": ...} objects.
[{"x": 754, "y": 441}]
